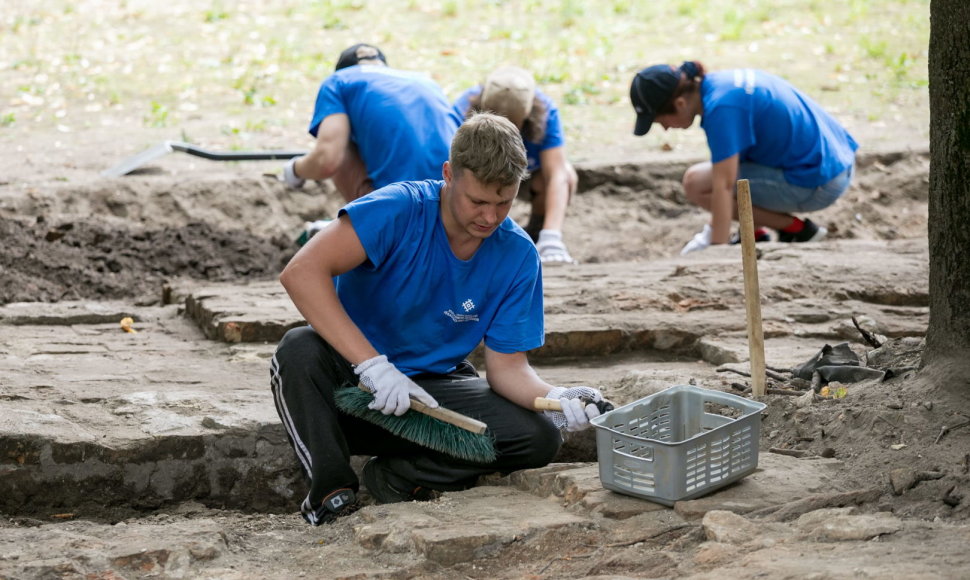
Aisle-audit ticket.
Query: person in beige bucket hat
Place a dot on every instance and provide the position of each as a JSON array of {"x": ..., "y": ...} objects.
[{"x": 511, "y": 91}]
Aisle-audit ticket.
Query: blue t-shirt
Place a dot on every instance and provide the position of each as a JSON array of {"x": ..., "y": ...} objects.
[
  {"x": 767, "y": 121},
  {"x": 400, "y": 121},
  {"x": 423, "y": 307},
  {"x": 553, "y": 135}
]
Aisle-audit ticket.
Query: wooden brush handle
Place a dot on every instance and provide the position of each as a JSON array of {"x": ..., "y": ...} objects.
[
  {"x": 446, "y": 415},
  {"x": 545, "y": 404},
  {"x": 449, "y": 416}
]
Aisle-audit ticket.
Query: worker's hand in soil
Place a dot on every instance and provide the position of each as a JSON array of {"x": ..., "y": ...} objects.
[
  {"x": 392, "y": 389},
  {"x": 579, "y": 405},
  {"x": 700, "y": 241}
]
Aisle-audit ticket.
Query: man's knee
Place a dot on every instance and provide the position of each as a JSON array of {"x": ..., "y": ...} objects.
[
  {"x": 299, "y": 345},
  {"x": 545, "y": 442}
]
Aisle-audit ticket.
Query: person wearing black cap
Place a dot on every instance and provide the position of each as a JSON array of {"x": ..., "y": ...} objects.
[
  {"x": 759, "y": 127},
  {"x": 375, "y": 125}
]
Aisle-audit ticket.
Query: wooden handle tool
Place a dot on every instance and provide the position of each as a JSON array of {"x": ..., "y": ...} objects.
[
  {"x": 446, "y": 415},
  {"x": 544, "y": 404}
]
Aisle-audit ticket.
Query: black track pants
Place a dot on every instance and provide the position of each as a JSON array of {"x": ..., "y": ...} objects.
[{"x": 304, "y": 373}]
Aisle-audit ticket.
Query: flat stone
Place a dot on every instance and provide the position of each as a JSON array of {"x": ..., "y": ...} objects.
[
  {"x": 136, "y": 419},
  {"x": 717, "y": 352},
  {"x": 581, "y": 484},
  {"x": 729, "y": 528},
  {"x": 594, "y": 310},
  {"x": 838, "y": 525},
  {"x": 66, "y": 313},
  {"x": 903, "y": 479},
  {"x": 461, "y": 526},
  {"x": 715, "y": 553},
  {"x": 777, "y": 480}
]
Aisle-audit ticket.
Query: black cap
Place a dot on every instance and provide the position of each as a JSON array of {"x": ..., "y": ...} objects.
[
  {"x": 357, "y": 53},
  {"x": 651, "y": 89}
]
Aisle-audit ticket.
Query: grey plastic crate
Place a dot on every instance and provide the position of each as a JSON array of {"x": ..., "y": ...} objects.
[{"x": 678, "y": 444}]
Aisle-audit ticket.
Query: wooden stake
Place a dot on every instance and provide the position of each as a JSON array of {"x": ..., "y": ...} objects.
[{"x": 752, "y": 295}]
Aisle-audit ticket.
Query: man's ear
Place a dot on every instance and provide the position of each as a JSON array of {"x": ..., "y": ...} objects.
[{"x": 446, "y": 172}]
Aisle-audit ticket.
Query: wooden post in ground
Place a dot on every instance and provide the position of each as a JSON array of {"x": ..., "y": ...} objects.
[{"x": 752, "y": 294}]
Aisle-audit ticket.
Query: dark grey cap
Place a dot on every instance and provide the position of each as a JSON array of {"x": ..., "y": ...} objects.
[
  {"x": 650, "y": 90},
  {"x": 358, "y": 52}
]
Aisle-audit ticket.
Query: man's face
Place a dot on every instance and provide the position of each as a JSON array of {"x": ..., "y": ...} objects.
[{"x": 475, "y": 208}]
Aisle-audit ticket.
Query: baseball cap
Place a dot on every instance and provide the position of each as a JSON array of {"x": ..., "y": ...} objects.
[
  {"x": 510, "y": 92},
  {"x": 651, "y": 89},
  {"x": 358, "y": 52}
]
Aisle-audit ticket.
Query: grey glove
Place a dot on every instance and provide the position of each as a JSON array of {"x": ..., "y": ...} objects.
[
  {"x": 392, "y": 389},
  {"x": 578, "y": 407}
]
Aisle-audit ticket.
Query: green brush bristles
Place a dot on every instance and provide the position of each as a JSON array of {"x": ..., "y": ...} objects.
[{"x": 421, "y": 429}]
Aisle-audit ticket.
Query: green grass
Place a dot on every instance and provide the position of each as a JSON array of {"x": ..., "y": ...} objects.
[{"x": 166, "y": 64}]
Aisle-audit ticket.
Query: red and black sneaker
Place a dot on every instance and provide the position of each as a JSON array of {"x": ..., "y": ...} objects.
[
  {"x": 760, "y": 235},
  {"x": 810, "y": 232}
]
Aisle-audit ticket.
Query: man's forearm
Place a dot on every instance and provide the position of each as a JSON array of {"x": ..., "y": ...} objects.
[{"x": 515, "y": 379}]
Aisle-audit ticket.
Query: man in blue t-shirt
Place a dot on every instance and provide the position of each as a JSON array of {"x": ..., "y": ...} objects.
[
  {"x": 796, "y": 157},
  {"x": 397, "y": 291},
  {"x": 374, "y": 126},
  {"x": 511, "y": 91}
]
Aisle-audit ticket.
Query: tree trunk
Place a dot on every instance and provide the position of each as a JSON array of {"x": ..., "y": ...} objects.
[{"x": 948, "y": 336}]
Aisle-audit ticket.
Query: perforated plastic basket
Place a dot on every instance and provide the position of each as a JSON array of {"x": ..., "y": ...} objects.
[{"x": 678, "y": 444}]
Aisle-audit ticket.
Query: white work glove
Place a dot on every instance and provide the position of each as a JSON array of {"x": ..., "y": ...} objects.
[
  {"x": 577, "y": 409},
  {"x": 392, "y": 389},
  {"x": 700, "y": 241},
  {"x": 551, "y": 247},
  {"x": 290, "y": 176}
]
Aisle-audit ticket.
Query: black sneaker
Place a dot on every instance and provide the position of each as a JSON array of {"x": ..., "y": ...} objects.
[
  {"x": 385, "y": 487},
  {"x": 338, "y": 504},
  {"x": 810, "y": 233},
  {"x": 760, "y": 235}
]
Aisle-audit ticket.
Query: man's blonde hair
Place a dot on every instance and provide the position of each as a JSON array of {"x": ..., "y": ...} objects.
[{"x": 491, "y": 148}]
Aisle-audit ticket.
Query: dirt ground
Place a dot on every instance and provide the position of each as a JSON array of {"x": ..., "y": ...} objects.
[
  {"x": 70, "y": 234},
  {"x": 85, "y": 237}
]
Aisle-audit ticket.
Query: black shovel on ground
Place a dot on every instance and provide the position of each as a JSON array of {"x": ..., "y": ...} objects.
[{"x": 166, "y": 147}]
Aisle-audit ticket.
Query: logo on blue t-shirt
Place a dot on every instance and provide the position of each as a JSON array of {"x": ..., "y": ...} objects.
[{"x": 468, "y": 305}]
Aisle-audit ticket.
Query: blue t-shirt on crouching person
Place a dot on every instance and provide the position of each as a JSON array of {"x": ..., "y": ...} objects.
[
  {"x": 765, "y": 120},
  {"x": 401, "y": 121},
  {"x": 418, "y": 303}
]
